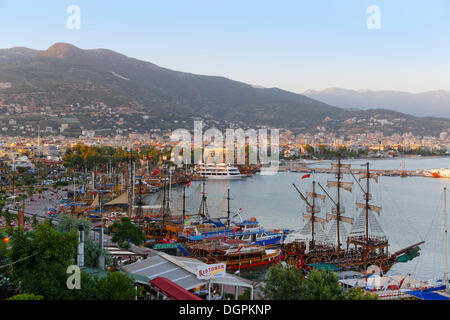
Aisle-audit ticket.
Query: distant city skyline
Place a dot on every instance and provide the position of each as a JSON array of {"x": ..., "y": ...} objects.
[{"x": 292, "y": 45}]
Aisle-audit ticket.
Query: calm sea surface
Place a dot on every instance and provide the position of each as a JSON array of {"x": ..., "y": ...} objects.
[{"x": 412, "y": 206}]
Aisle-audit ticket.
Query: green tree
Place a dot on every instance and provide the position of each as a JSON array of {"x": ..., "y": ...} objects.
[
  {"x": 115, "y": 286},
  {"x": 283, "y": 283},
  {"x": 43, "y": 260},
  {"x": 92, "y": 249},
  {"x": 92, "y": 253},
  {"x": 360, "y": 294},
  {"x": 309, "y": 149},
  {"x": 26, "y": 296},
  {"x": 321, "y": 285},
  {"x": 126, "y": 231}
]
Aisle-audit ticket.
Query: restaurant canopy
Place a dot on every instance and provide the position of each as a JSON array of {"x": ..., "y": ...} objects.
[
  {"x": 172, "y": 290},
  {"x": 181, "y": 270}
]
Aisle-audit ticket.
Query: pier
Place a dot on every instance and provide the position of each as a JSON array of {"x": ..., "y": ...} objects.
[{"x": 384, "y": 172}]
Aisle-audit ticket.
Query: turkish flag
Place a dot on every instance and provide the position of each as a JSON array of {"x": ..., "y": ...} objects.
[
  {"x": 155, "y": 172},
  {"x": 300, "y": 262},
  {"x": 306, "y": 176},
  {"x": 188, "y": 184}
]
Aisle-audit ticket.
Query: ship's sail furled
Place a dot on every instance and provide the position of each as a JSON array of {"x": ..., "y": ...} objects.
[
  {"x": 341, "y": 165},
  {"x": 316, "y": 195},
  {"x": 323, "y": 222},
  {"x": 371, "y": 175},
  {"x": 370, "y": 207},
  {"x": 341, "y": 218},
  {"x": 345, "y": 185}
]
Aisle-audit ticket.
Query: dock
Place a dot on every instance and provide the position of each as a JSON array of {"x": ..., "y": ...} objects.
[{"x": 384, "y": 172}]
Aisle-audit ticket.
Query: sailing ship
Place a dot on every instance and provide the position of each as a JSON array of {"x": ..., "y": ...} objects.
[{"x": 366, "y": 245}]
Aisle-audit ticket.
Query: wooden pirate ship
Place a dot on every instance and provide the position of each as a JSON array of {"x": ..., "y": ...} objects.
[{"x": 366, "y": 245}]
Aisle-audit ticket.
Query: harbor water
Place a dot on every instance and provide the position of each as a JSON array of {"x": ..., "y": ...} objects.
[{"x": 412, "y": 206}]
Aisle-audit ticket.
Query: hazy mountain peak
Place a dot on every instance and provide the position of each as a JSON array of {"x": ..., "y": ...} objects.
[
  {"x": 16, "y": 54},
  {"x": 61, "y": 50},
  {"x": 430, "y": 103}
]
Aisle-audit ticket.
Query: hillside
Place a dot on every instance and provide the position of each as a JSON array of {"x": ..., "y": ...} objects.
[
  {"x": 430, "y": 103},
  {"x": 104, "y": 90}
]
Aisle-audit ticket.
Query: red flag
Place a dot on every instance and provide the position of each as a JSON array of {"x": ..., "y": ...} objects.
[
  {"x": 302, "y": 262},
  {"x": 155, "y": 172},
  {"x": 188, "y": 184},
  {"x": 306, "y": 176},
  {"x": 149, "y": 156},
  {"x": 401, "y": 282}
]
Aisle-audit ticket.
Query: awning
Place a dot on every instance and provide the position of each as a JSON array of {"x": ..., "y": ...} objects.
[
  {"x": 172, "y": 290},
  {"x": 181, "y": 270},
  {"x": 103, "y": 273},
  {"x": 324, "y": 266},
  {"x": 429, "y": 294},
  {"x": 120, "y": 200}
]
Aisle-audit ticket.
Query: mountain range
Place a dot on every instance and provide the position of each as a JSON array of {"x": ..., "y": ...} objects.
[
  {"x": 424, "y": 104},
  {"x": 104, "y": 90}
]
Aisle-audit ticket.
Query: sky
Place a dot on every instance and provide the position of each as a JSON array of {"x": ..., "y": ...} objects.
[{"x": 294, "y": 45}]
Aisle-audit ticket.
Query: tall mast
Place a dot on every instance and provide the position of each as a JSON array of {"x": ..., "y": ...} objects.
[
  {"x": 184, "y": 203},
  {"x": 203, "y": 210},
  {"x": 139, "y": 204},
  {"x": 312, "y": 209},
  {"x": 445, "y": 278},
  {"x": 338, "y": 210},
  {"x": 228, "y": 208},
  {"x": 163, "y": 207},
  {"x": 367, "y": 195},
  {"x": 338, "y": 206},
  {"x": 313, "y": 212}
]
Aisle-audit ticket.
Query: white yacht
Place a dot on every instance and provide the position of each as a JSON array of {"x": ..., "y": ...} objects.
[{"x": 217, "y": 171}]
